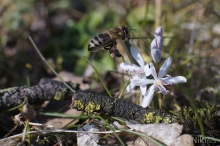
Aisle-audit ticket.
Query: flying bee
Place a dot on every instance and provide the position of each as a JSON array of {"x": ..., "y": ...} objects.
[{"x": 109, "y": 39}]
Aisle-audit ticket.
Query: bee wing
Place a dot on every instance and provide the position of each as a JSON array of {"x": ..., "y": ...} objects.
[{"x": 115, "y": 30}]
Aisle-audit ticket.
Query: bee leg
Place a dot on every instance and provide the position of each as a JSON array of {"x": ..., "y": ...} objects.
[
  {"x": 114, "y": 51},
  {"x": 108, "y": 47}
]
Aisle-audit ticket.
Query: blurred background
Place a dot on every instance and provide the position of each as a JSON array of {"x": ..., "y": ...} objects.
[{"x": 63, "y": 29}]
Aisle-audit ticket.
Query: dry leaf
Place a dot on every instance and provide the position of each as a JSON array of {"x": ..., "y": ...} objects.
[
  {"x": 88, "y": 139},
  {"x": 168, "y": 134}
]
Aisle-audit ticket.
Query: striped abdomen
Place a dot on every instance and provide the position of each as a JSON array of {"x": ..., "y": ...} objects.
[{"x": 99, "y": 41}]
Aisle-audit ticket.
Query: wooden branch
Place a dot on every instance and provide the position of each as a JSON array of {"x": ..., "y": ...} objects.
[
  {"x": 48, "y": 89},
  {"x": 90, "y": 103}
]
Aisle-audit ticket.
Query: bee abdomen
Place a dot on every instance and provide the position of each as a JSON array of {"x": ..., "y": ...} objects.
[
  {"x": 104, "y": 37},
  {"x": 98, "y": 42}
]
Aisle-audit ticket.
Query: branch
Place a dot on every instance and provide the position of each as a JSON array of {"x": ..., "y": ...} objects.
[
  {"x": 47, "y": 89},
  {"x": 90, "y": 103}
]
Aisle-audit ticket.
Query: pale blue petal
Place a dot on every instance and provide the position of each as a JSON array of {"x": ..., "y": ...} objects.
[
  {"x": 142, "y": 81},
  {"x": 147, "y": 70},
  {"x": 174, "y": 80},
  {"x": 148, "y": 96},
  {"x": 153, "y": 71},
  {"x": 129, "y": 67},
  {"x": 159, "y": 42},
  {"x": 153, "y": 44},
  {"x": 137, "y": 56},
  {"x": 130, "y": 87},
  {"x": 164, "y": 69},
  {"x": 143, "y": 89},
  {"x": 158, "y": 32},
  {"x": 156, "y": 55}
]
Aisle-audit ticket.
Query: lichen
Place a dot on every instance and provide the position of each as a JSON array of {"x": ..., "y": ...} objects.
[
  {"x": 158, "y": 119},
  {"x": 78, "y": 105},
  {"x": 91, "y": 107},
  {"x": 60, "y": 95},
  {"x": 149, "y": 117},
  {"x": 98, "y": 106},
  {"x": 167, "y": 119}
]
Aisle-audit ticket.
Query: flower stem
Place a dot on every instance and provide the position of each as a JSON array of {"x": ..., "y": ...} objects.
[{"x": 157, "y": 100}]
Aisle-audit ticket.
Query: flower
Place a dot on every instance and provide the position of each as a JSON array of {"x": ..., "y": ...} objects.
[
  {"x": 158, "y": 32},
  {"x": 136, "y": 72},
  {"x": 158, "y": 82},
  {"x": 156, "y": 45}
]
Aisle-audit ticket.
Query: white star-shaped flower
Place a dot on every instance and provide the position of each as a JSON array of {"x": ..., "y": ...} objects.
[
  {"x": 158, "y": 82},
  {"x": 136, "y": 72}
]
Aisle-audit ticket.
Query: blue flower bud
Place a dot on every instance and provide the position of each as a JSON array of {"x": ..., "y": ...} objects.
[{"x": 156, "y": 45}]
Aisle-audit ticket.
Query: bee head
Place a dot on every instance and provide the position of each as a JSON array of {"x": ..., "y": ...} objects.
[{"x": 126, "y": 32}]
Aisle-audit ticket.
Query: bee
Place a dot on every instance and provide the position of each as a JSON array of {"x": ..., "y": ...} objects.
[{"x": 109, "y": 39}]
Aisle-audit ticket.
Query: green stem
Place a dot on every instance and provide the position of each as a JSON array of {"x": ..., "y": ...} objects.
[
  {"x": 123, "y": 90},
  {"x": 16, "y": 107},
  {"x": 143, "y": 135},
  {"x": 106, "y": 123},
  {"x": 44, "y": 60},
  {"x": 79, "y": 117},
  {"x": 99, "y": 76},
  {"x": 118, "y": 119},
  {"x": 196, "y": 114},
  {"x": 156, "y": 100}
]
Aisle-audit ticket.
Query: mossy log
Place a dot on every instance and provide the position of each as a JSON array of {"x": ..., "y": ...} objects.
[
  {"x": 90, "y": 103},
  {"x": 48, "y": 89}
]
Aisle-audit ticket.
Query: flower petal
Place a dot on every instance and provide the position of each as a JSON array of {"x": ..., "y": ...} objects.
[
  {"x": 158, "y": 32},
  {"x": 156, "y": 55},
  {"x": 141, "y": 81},
  {"x": 159, "y": 42},
  {"x": 129, "y": 67},
  {"x": 148, "y": 96},
  {"x": 137, "y": 56},
  {"x": 147, "y": 70},
  {"x": 153, "y": 71},
  {"x": 143, "y": 89},
  {"x": 153, "y": 44},
  {"x": 174, "y": 80},
  {"x": 165, "y": 67},
  {"x": 130, "y": 87}
]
